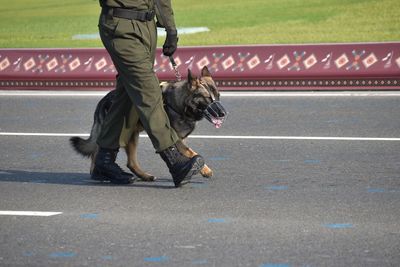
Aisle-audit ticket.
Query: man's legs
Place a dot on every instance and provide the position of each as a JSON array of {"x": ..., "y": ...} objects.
[
  {"x": 130, "y": 49},
  {"x": 114, "y": 121},
  {"x": 105, "y": 167}
]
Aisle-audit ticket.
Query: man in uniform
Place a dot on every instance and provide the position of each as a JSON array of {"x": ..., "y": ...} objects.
[{"x": 129, "y": 33}]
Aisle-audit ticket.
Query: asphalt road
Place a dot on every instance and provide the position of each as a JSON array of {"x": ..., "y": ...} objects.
[{"x": 277, "y": 198}]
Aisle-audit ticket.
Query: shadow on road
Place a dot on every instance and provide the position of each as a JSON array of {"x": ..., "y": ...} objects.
[{"x": 81, "y": 179}]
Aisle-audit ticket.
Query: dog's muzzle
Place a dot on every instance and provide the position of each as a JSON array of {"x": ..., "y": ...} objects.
[{"x": 215, "y": 113}]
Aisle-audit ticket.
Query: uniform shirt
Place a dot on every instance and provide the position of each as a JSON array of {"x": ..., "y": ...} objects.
[{"x": 165, "y": 14}]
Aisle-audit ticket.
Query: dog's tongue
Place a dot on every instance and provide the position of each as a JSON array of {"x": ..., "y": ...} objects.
[{"x": 217, "y": 123}]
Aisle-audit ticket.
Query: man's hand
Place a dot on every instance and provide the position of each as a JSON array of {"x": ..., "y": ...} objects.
[{"x": 171, "y": 43}]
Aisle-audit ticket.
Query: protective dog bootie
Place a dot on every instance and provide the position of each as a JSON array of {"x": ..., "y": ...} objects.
[
  {"x": 181, "y": 167},
  {"x": 106, "y": 169}
]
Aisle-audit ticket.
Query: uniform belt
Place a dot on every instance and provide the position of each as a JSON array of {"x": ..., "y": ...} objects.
[{"x": 125, "y": 13}]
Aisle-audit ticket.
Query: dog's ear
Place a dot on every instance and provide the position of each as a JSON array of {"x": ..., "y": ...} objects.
[
  {"x": 205, "y": 72},
  {"x": 192, "y": 80}
]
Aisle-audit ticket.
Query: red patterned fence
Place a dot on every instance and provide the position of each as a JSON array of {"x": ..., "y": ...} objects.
[{"x": 359, "y": 66}]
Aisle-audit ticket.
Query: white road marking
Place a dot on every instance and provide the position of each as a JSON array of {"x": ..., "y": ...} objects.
[
  {"x": 223, "y": 94},
  {"x": 53, "y": 93},
  {"x": 42, "y": 134},
  {"x": 29, "y": 213},
  {"x": 243, "y": 137},
  {"x": 320, "y": 138},
  {"x": 311, "y": 94}
]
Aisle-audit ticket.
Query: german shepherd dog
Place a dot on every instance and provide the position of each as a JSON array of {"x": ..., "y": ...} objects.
[{"x": 186, "y": 102}]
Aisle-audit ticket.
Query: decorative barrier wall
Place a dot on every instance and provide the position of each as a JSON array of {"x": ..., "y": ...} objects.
[{"x": 359, "y": 66}]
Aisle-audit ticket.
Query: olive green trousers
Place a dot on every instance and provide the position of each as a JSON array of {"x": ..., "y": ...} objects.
[{"x": 132, "y": 45}]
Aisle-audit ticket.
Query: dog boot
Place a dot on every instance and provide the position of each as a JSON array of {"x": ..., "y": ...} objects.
[
  {"x": 106, "y": 169},
  {"x": 181, "y": 167}
]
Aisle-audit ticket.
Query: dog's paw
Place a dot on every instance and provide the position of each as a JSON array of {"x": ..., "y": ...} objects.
[
  {"x": 141, "y": 175},
  {"x": 148, "y": 178},
  {"x": 206, "y": 172}
]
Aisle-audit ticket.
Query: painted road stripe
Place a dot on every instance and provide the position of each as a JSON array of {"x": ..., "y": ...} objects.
[
  {"x": 223, "y": 94},
  {"x": 242, "y": 137},
  {"x": 29, "y": 213},
  {"x": 320, "y": 138},
  {"x": 309, "y": 94},
  {"x": 43, "y": 134}
]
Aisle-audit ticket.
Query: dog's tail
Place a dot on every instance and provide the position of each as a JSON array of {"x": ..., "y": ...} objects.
[{"x": 87, "y": 147}]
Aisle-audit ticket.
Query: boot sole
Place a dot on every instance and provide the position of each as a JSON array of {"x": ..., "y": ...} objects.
[{"x": 197, "y": 165}]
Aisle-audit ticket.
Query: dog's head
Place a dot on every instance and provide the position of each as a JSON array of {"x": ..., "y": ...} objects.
[{"x": 204, "y": 99}]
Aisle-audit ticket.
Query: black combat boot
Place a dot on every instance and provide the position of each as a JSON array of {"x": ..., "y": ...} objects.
[
  {"x": 105, "y": 168},
  {"x": 181, "y": 167}
]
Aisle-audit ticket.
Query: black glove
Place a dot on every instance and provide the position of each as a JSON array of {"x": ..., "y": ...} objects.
[{"x": 170, "y": 44}]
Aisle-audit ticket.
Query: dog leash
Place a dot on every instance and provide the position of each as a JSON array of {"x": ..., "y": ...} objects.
[{"x": 178, "y": 76}]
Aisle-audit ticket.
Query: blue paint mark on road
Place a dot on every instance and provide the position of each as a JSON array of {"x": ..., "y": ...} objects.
[
  {"x": 274, "y": 265},
  {"x": 156, "y": 259},
  {"x": 107, "y": 257},
  {"x": 345, "y": 121},
  {"x": 339, "y": 225},
  {"x": 217, "y": 220},
  {"x": 382, "y": 190},
  {"x": 198, "y": 185},
  {"x": 312, "y": 161},
  {"x": 62, "y": 255},
  {"x": 278, "y": 187},
  {"x": 376, "y": 190},
  {"x": 89, "y": 216},
  {"x": 199, "y": 262},
  {"x": 28, "y": 254},
  {"x": 35, "y": 155}
]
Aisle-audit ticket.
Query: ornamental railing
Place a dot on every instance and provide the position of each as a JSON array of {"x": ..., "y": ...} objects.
[{"x": 353, "y": 66}]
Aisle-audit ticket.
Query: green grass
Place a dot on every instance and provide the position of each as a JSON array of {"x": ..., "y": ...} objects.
[{"x": 50, "y": 23}]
